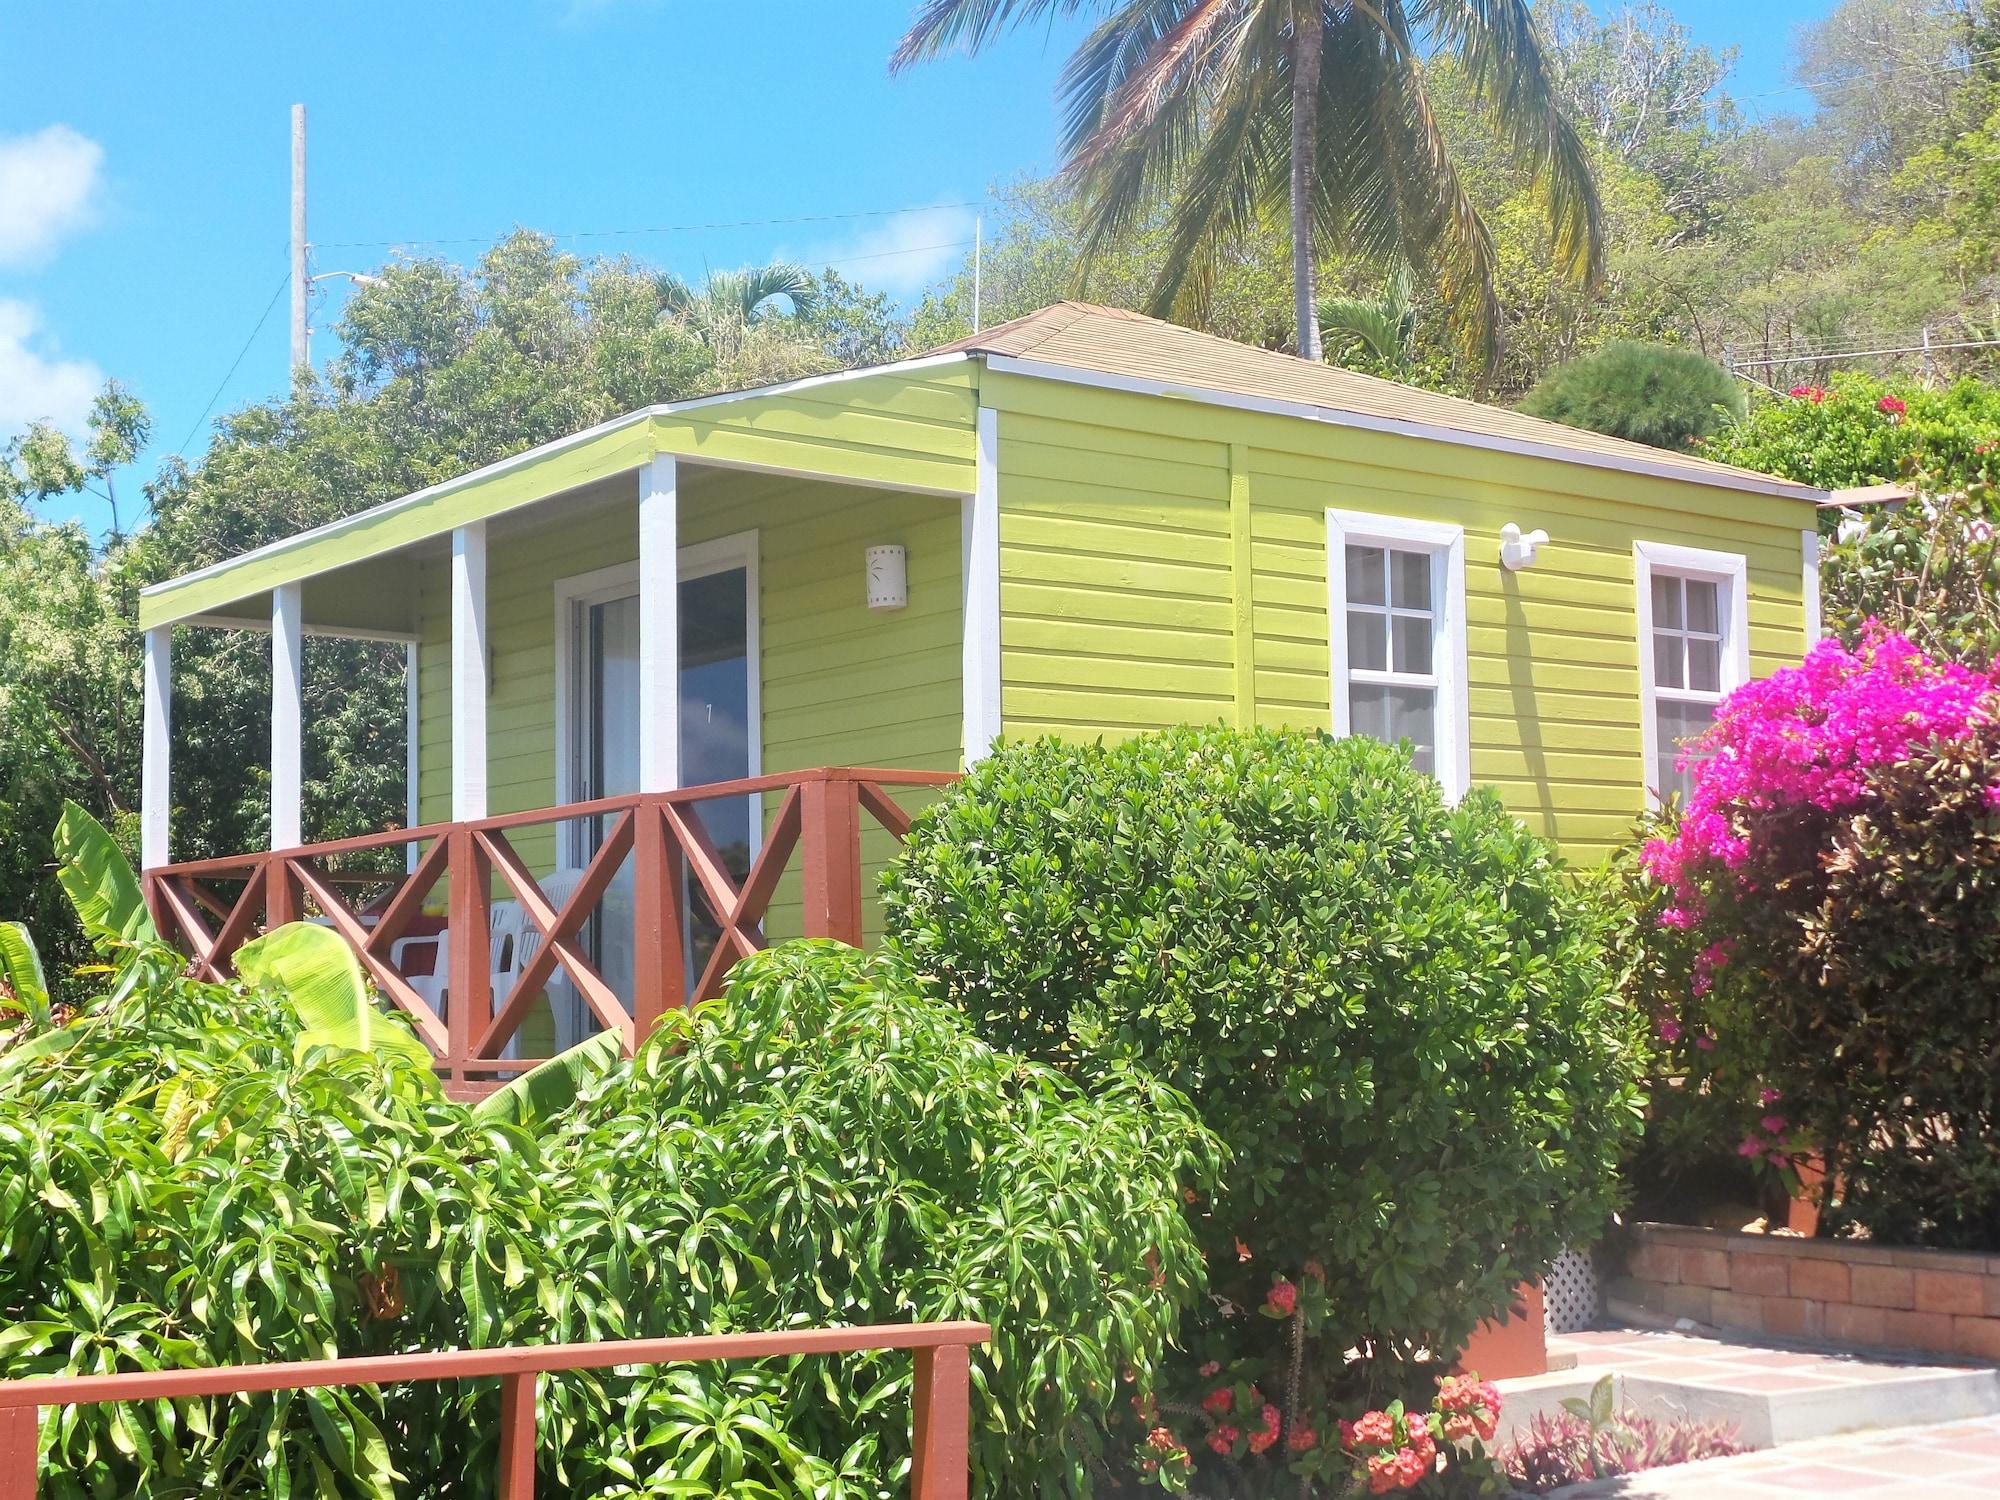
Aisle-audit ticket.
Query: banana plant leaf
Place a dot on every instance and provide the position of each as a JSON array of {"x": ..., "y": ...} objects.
[
  {"x": 545, "y": 1091},
  {"x": 21, "y": 972},
  {"x": 99, "y": 881},
  {"x": 313, "y": 967}
]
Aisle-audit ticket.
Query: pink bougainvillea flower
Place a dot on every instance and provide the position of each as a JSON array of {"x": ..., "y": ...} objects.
[
  {"x": 1767, "y": 1096},
  {"x": 1669, "y": 1030},
  {"x": 1775, "y": 1124},
  {"x": 1751, "y": 1146},
  {"x": 1704, "y": 1041},
  {"x": 1892, "y": 407},
  {"x": 1806, "y": 737},
  {"x": 1283, "y": 1298}
]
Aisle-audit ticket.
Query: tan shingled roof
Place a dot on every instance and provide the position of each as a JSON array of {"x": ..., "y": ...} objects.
[{"x": 1113, "y": 341}]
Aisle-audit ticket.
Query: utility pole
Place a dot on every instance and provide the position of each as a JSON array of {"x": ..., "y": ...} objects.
[{"x": 301, "y": 349}]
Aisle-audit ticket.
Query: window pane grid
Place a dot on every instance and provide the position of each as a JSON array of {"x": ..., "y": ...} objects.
[
  {"x": 1687, "y": 643},
  {"x": 1392, "y": 626}
]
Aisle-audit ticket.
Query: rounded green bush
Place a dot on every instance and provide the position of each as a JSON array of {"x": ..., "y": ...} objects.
[
  {"x": 1395, "y": 1013},
  {"x": 1649, "y": 393}
]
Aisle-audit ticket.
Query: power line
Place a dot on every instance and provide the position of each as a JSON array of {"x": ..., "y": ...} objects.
[
  {"x": 262, "y": 318},
  {"x": 585, "y": 234},
  {"x": 1829, "y": 354}
]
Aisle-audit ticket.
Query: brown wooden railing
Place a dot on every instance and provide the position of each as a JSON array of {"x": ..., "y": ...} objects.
[
  {"x": 939, "y": 1401},
  {"x": 818, "y": 817}
]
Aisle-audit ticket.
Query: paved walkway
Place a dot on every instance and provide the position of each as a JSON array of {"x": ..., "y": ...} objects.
[{"x": 1951, "y": 1461}]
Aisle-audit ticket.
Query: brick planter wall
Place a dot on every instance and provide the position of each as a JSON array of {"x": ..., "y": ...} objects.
[{"x": 1841, "y": 1291}]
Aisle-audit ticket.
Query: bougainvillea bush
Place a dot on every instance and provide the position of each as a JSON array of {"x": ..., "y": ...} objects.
[
  {"x": 1395, "y": 1012},
  {"x": 1834, "y": 886}
]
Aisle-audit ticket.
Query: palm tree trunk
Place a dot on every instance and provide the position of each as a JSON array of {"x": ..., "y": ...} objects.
[{"x": 1308, "y": 35}]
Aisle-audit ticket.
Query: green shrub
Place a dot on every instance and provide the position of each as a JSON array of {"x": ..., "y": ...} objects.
[
  {"x": 180, "y": 1191},
  {"x": 1395, "y": 1013},
  {"x": 184, "y": 1188},
  {"x": 1649, "y": 393},
  {"x": 826, "y": 1147},
  {"x": 1861, "y": 430}
]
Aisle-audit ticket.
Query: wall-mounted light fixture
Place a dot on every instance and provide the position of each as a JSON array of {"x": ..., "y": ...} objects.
[
  {"x": 888, "y": 578},
  {"x": 1518, "y": 548}
]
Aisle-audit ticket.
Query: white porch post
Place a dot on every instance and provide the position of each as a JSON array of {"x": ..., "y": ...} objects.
[
  {"x": 980, "y": 626},
  {"x": 287, "y": 716},
  {"x": 413, "y": 698},
  {"x": 468, "y": 673},
  {"x": 659, "y": 626},
  {"x": 155, "y": 795}
]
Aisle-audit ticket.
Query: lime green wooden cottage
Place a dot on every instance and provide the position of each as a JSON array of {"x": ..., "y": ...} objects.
[{"x": 1084, "y": 523}]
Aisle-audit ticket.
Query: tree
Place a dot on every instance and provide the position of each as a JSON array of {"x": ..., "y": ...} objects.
[
  {"x": 43, "y": 462},
  {"x": 1320, "y": 108},
  {"x": 1648, "y": 393},
  {"x": 441, "y": 369},
  {"x": 1382, "y": 329}
]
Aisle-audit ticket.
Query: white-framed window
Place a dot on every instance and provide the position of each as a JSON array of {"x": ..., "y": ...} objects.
[
  {"x": 1694, "y": 650},
  {"x": 1396, "y": 605}
]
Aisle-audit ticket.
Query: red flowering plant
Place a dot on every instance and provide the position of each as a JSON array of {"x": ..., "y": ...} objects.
[
  {"x": 1830, "y": 895},
  {"x": 1436, "y": 1452}
]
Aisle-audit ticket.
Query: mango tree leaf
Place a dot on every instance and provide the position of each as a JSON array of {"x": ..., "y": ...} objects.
[
  {"x": 313, "y": 967},
  {"x": 98, "y": 879},
  {"x": 546, "y": 1090},
  {"x": 21, "y": 973}
]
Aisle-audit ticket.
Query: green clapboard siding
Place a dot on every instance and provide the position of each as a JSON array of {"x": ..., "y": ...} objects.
[{"x": 1120, "y": 605}]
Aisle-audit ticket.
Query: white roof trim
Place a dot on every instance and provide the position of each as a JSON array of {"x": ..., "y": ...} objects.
[
  {"x": 1008, "y": 364},
  {"x": 546, "y": 450}
]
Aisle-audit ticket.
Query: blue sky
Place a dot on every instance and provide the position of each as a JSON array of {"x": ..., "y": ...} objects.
[{"x": 144, "y": 148}]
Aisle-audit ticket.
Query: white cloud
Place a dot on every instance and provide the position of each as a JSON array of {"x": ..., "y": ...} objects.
[
  {"x": 36, "y": 383},
  {"x": 901, "y": 254},
  {"x": 48, "y": 187}
]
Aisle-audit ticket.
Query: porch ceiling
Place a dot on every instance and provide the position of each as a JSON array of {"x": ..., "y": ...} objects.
[{"x": 907, "y": 427}]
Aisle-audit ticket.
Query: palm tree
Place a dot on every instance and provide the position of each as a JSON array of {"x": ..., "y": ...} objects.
[
  {"x": 1385, "y": 326},
  {"x": 729, "y": 303},
  {"x": 1318, "y": 105}
]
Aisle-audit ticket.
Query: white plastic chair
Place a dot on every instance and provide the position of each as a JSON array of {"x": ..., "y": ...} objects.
[
  {"x": 516, "y": 941},
  {"x": 430, "y": 987}
]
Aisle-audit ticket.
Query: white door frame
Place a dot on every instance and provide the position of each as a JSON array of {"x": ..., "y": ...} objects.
[{"x": 621, "y": 581}]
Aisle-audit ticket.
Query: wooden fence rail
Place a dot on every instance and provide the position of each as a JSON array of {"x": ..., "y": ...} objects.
[
  {"x": 940, "y": 1411},
  {"x": 818, "y": 816}
]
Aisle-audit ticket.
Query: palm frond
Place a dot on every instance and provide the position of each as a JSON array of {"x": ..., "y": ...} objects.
[
  {"x": 944, "y": 26},
  {"x": 1501, "y": 49},
  {"x": 1389, "y": 189},
  {"x": 753, "y": 288},
  {"x": 1384, "y": 326},
  {"x": 1201, "y": 124}
]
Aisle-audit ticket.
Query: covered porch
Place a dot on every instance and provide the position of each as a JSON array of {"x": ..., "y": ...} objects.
[{"x": 640, "y": 665}]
